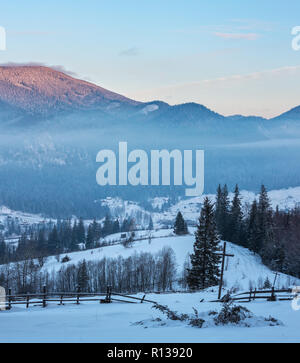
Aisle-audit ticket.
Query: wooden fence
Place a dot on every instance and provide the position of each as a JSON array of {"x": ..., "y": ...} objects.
[
  {"x": 62, "y": 298},
  {"x": 269, "y": 295}
]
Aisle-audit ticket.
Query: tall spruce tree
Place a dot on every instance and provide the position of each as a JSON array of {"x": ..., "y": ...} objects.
[
  {"x": 80, "y": 231},
  {"x": 150, "y": 226},
  {"x": 265, "y": 223},
  {"x": 253, "y": 235},
  {"x": 180, "y": 226},
  {"x": 53, "y": 241},
  {"x": 90, "y": 238},
  {"x": 205, "y": 262},
  {"x": 107, "y": 226},
  {"x": 116, "y": 226},
  {"x": 74, "y": 239},
  {"x": 83, "y": 277},
  {"x": 222, "y": 211},
  {"x": 236, "y": 226}
]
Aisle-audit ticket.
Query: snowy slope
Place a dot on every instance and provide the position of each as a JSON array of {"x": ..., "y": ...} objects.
[
  {"x": 244, "y": 270},
  {"x": 119, "y": 322},
  {"x": 22, "y": 216}
]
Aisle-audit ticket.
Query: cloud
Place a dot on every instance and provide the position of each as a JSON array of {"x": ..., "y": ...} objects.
[
  {"x": 255, "y": 75},
  {"x": 131, "y": 52},
  {"x": 227, "y": 81},
  {"x": 58, "y": 68},
  {"x": 246, "y": 36}
]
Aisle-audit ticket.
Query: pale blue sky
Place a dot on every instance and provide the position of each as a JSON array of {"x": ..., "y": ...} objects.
[{"x": 232, "y": 56}]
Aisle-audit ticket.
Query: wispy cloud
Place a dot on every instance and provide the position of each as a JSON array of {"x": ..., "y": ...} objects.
[
  {"x": 246, "y": 36},
  {"x": 131, "y": 52},
  {"x": 255, "y": 75},
  {"x": 58, "y": 68},
  {"x": 282, "y": 71}
]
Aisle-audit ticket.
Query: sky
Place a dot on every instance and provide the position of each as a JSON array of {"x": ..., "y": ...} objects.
[{"x": 233, "y": 56}]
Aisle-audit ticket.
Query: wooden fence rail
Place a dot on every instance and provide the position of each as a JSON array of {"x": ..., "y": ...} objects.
[
  {"x": 62, "y": 298},
  {"x": 270, "y": 295}
]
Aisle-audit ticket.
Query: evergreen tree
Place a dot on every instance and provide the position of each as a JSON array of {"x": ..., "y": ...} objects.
[
  {"x": 53, "y": 241},
  {"x": 82, "y": 277},
  {"x": 107, "y": 226},
  {"x": 42, "y": 242},
  {"x": 3, "y": 250},
  {"x": 66, "y": 235},
  {"x": 253, "y": 235},
  {"x": 125, "y": 225},
  {"x": 74, "y": 239},
  {"x": 150, "y": 226},
  {"x": 116, "y": 226},
  {"x": 267, "y": 283},
  {"x": 205, "y": 262},
  {"x": 90, "y": 238},
  {"x": 265, "y": 216},
  {"x": 96, "y": 230},
  {"x": 80, "y": 231},
  {"x": 236, "y": 225},
  {"x": 222, "y": 212},
  {"x": 180, "y": 226}
]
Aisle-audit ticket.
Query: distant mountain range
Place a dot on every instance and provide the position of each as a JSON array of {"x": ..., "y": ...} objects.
[
  {"x": 53, "y": 125},
  {"x": 43, "y": 91}
]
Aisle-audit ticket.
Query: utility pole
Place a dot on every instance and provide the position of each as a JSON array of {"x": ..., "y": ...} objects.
[
  {"x": 276, "y": 274},
  {"x": 223, "y": 254}
]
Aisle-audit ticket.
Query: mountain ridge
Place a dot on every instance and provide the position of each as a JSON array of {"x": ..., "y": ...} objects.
[
  {"x": 42, "y": 90},
  {"x": 38, "y": 90}
]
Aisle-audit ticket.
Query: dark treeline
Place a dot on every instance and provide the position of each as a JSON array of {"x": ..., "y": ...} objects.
[
  {"x": 62, "y": 237},
  {"x": 139, "y": 272},
  {"x": 274, "y": 235}
]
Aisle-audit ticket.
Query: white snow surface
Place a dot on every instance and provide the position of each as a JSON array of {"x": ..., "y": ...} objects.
[{"x": 119, "y": 322}]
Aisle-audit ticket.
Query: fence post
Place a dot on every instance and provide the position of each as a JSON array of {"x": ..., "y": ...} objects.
[
  {"x": 9, "y": 298},
  {"x": 273, "y": 296},
  {"x": 27, "y": 300},
  {"x": 143, "y": 299},
  {"x": 44, "y": 296},
  {"x": 61, "y": 300},
  {"x": 108, "y": 294},
  {"x": 78, "y": 296}
]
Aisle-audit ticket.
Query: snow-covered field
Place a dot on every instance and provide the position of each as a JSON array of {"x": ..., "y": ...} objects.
[{"x": 121, "y": 322}]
